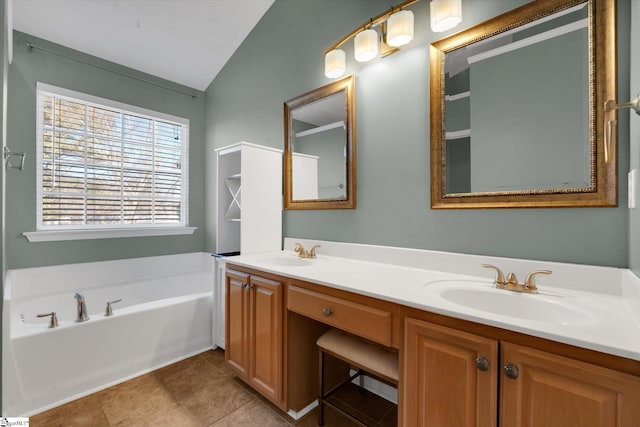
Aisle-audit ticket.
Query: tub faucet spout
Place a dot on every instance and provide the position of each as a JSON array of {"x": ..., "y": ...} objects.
[{"x": 82, "y": 308}]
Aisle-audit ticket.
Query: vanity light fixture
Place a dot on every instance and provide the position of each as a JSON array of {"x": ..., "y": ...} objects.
[
  {"x": 365, "y": 45},
  {"x": 445, "y": 14},
  {"x": 335, "y": 63},
  {"x": 384, "y": 34},
  {"x": 400, "y": 28}
]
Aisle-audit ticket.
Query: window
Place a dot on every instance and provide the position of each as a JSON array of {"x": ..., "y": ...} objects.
[{"x": 103, "y": 164}]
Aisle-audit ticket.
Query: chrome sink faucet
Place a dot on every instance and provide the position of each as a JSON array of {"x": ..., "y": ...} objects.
[
  {"x": 82, "y": 308},
  {"x": 511, "y": 282},
  {"x": 304, "y": 253}
]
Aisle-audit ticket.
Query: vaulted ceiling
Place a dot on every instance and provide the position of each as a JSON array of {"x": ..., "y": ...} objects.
[{"x": 185, "y": 41}]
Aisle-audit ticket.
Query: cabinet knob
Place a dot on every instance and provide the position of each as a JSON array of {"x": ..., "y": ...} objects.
[
  {"x": 511, "y": 371},
  {"x": 327, "y": 311},
  {"x": 482, "y": 363}
]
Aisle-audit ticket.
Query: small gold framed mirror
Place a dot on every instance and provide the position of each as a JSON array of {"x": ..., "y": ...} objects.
[
  {"x": 517, "y": 109},
  {"x": 320, "y": 148}
]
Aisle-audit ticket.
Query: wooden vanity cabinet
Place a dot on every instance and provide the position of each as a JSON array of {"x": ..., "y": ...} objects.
[
  {"x": 554, "y": 391},
  {"x": 453, "y": 372},
  {"x": 254, "y": 331},
  {"x": 451, "y": 378}
]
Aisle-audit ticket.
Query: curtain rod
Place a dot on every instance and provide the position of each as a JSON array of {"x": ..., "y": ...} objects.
[{"x": 32, "y": 46}]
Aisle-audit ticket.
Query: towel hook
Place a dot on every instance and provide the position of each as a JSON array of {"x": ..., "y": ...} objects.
[
  {"x": 609, "y": 125},
  {"x": 611, "y": 105},
  {"x": 7, "y": 156}
]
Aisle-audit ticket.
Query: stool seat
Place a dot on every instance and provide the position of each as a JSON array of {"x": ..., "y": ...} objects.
[{"x": 370, "y": 357}]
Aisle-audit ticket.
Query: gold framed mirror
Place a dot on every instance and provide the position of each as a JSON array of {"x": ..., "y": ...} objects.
[
  {"x": 517, "y": 109},
  {"x": 320, "y": 148}
]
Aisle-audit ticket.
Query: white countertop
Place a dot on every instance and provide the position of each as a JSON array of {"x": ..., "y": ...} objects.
[{"x": 604, "y": 321}]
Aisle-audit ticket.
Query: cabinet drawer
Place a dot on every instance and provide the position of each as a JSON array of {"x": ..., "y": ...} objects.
[{"x": 359, "y": 319}]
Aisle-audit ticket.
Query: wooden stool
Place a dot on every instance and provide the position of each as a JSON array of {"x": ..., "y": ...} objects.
[{"x": 368, "y": 358}]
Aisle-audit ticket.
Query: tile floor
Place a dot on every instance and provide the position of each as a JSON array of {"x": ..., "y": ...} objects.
[{"x": 199, "y": 391}]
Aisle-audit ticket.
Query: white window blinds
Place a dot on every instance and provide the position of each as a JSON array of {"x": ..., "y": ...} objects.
[{"x": 104, "y": 164}]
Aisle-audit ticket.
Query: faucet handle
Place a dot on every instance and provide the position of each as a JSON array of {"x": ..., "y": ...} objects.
[
  {"x": 312, "y": 252},
  {"x": 499, "y": 280},
  {"x": 299, "y": 249},
  {"x": 54, "y": 318},
  {"x": 530, "y": 282},
  {"x": 109, "y": 310},
  {"x": 512, "y": 279}
]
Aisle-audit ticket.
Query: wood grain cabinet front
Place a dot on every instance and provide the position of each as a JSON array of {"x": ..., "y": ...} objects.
[
  {"x": 543, "y": 389},
  {"x": 359, "y": 319},
  {"x": 254, "y": 331},
  {"x": 451, "y": 378}
]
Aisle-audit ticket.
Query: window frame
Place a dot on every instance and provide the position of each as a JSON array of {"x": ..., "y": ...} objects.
[{"x": 73, "y": 232}]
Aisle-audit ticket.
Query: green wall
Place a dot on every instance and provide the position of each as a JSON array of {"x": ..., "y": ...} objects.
[
  {"x": 70, "y": 71},
  {"x": 283, "y": 57}
]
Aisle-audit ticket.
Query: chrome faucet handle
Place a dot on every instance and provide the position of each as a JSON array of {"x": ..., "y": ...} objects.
[
  {"x": 530, "y": 282},
  {"x": 109, "y": 310},
  {"x": 499, "y": 280},
  {"x": 54, "y": 318},
  {"x": 82, "y": 307}
]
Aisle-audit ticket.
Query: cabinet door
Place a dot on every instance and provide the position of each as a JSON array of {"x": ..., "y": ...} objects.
[
  {"x": 449, "y": 377},
  {"x": 237, "y": 322},
  {"x": 544, "y": 389},
  {"x": 266, "y": 337}
]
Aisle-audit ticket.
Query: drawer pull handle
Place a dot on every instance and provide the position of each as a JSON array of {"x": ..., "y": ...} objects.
[
  {"x": 482, "y": 363},
  {"x": 326, "y": 312},
  {"x": 511, "y": 371}
]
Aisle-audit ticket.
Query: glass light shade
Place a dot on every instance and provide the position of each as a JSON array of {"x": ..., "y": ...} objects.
[
  {"x": 445, "y": 14},
  {"x": 366, "y": 45},
  {"x": 335, "y": 63},
  {"x": 400, "y": 28}
]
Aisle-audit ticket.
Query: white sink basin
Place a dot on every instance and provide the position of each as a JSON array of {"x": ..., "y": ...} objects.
[
  {"x": 286, "y": 261},
  {"x": 539, "y": 307}
]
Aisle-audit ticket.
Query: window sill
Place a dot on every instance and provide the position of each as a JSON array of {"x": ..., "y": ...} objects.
[{"x": 57, "y": 235}]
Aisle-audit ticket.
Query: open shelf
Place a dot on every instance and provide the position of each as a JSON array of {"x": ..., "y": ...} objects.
[{"x": 234, "y": 186}]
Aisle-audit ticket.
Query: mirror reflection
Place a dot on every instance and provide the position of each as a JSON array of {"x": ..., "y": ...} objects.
[
  {"x": 499, "y": 91},
  {"x": 515, "y": 116},
  {"x": 319, "y": 155},
  {"x": 319, "y": 149}
]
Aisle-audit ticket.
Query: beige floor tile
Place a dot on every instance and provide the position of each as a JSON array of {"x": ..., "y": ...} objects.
[
  {"x": 134, "y": 402},
  {"x": 178, "y": 367},
  {"x": 215, "y": 357},
  {"x": 199, "y": 391},
  {"x": 252, "y": 414},
  {"x": 215, "y": 401},
  {"x": 184, "y": 383},
  {"x": 174, "y": 415},
  {"x": 82, "y": 412}
]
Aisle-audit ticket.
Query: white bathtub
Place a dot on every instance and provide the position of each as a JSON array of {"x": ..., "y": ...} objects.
[{"x": 165, "y": 315}]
